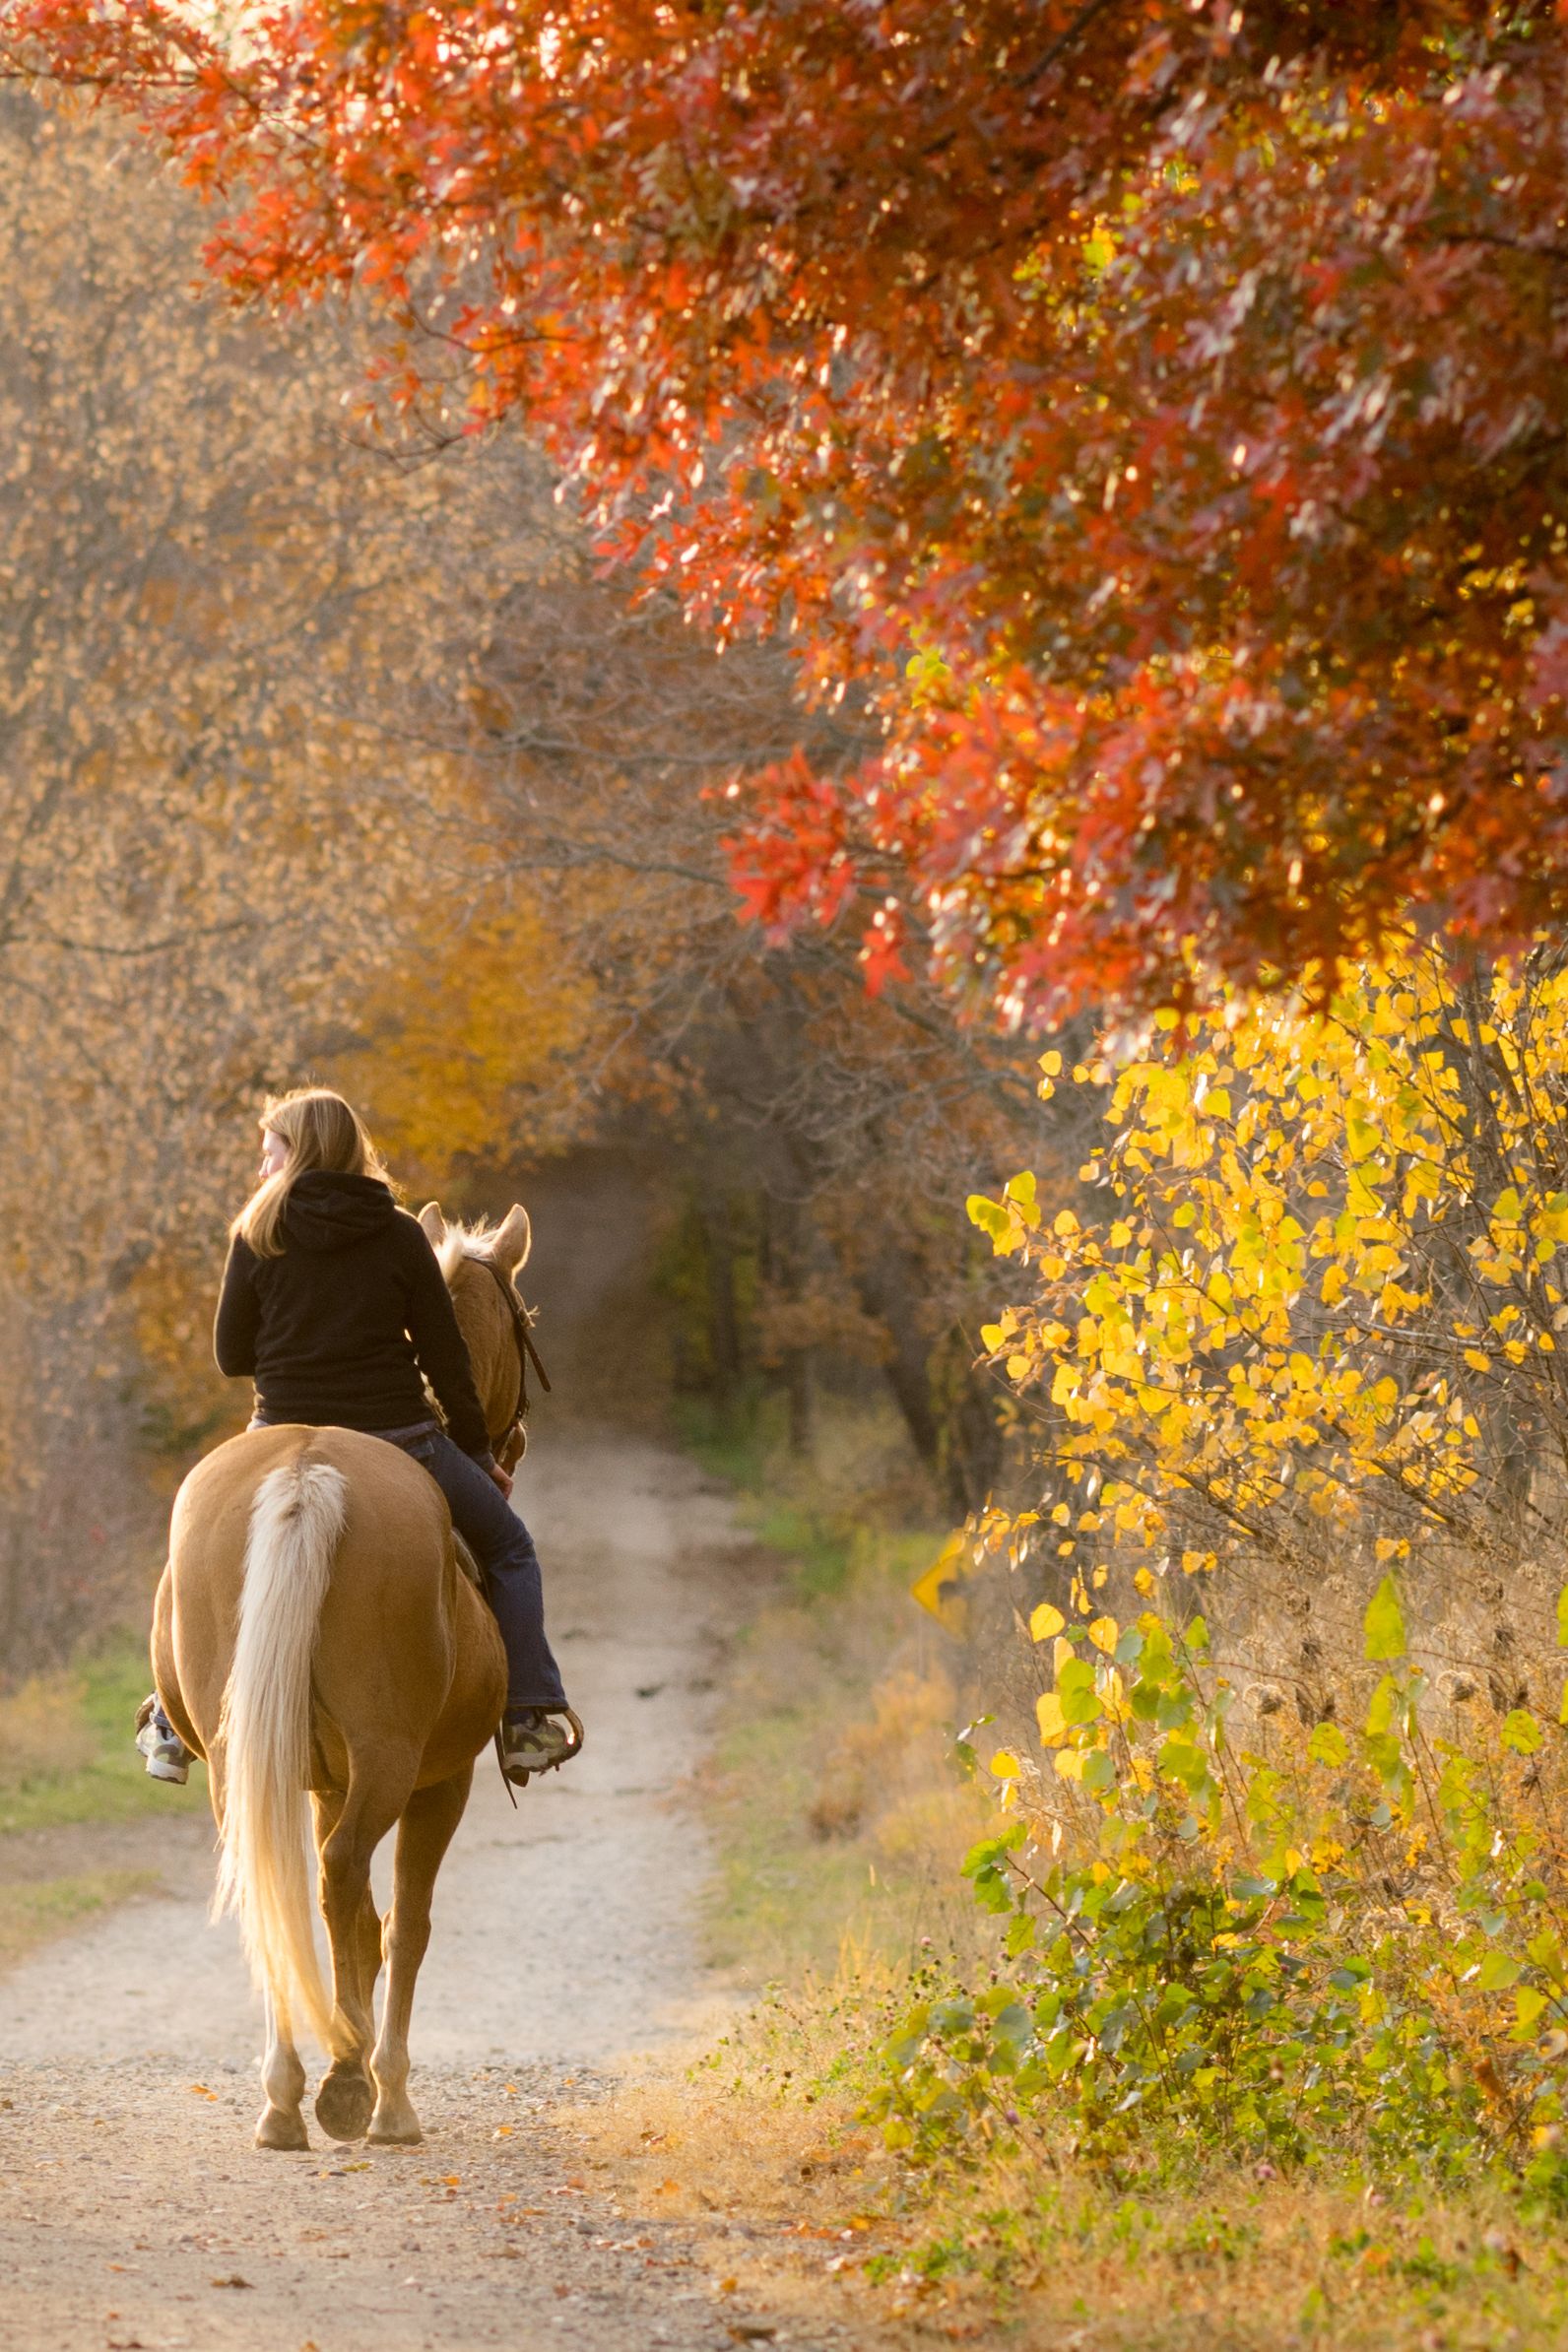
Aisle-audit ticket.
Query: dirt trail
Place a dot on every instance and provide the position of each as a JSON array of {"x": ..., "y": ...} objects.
[{"x": 133, "y": 2210}]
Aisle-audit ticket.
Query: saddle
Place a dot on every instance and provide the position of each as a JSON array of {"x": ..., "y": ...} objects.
[{"x": 467, "y": 1564}]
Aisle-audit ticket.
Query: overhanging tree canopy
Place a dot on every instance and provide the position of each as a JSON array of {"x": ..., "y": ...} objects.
[{"x": 1159, "y": 409}]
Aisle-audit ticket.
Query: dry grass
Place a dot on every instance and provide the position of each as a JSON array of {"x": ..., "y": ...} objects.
[
  {"x": 838, "y": 1811},
  {"x": 796, "y": 2209},
  {"x": 45, "y": 1724},
  {"x": 67, "y": 1752},
  {"x": 73, "y": 1796},
  {"x": 840, "y": 1824}
]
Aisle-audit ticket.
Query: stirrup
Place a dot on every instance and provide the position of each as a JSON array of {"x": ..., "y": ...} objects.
[{"x": 517, "y": 1774}]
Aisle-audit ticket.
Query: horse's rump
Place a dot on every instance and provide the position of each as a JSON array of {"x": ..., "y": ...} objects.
[{"x": 316, "y": 1628}]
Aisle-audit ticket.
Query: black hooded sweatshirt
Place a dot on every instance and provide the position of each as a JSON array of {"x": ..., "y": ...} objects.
[{"x": 339, "y": 1329}]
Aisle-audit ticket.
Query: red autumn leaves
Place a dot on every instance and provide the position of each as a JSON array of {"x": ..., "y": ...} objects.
[{"x": 1156, "y": 416}]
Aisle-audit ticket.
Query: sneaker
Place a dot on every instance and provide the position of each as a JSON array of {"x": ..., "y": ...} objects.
[
  {"x": 167, "y": 1756},
  {"x": 537, "y": 1739}
]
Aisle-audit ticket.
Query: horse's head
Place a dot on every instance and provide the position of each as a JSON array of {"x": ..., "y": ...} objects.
[{"x": 480, "y": 1262}]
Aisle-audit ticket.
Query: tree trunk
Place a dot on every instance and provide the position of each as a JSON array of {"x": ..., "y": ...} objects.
[
  {"x": 724, "y": 1322},
  {"x": 886, "y": 1291},
  {"x": 783, "y": 1264}
]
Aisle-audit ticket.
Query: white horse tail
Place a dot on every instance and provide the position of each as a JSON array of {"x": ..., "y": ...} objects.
[{"x": 264, "y": 1871}]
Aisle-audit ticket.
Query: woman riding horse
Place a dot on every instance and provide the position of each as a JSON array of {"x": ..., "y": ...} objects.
[
  {"x": 314, "y": 1630},
  {"x": 333, "y": 1304}
]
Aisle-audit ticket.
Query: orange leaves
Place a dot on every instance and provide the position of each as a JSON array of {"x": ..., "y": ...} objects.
[
  {"x": 469, "y": 1023},
  {"x": 795, "y": 858},
  {"x": 1212, "y": 473}
]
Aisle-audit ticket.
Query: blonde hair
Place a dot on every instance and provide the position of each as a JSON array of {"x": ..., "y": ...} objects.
[{"x": 321, "y": 1130}]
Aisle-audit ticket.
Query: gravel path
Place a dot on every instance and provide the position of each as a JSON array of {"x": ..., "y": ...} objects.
[{"x": 133, "y": 2210}]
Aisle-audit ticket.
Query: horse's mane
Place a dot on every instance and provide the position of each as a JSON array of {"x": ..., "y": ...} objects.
[{"x": 464, "y": 1241}]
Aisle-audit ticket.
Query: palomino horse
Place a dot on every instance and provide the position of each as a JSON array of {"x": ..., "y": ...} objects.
[{"x": 313, "y": 1631}]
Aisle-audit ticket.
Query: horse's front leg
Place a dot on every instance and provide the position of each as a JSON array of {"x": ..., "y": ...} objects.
[
  {"x": 349, "y": 1829},
  {"x": 423, "y": 1835}
]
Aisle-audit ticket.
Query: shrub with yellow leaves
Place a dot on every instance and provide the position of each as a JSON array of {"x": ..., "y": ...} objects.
[
  {"x": 1318, "y": 1321},
  {"x": 1270, "y": 1877}
]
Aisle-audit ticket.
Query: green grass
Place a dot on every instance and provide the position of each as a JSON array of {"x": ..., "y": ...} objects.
[
  {"x": 838, "y": 1815},
  {"x": 66, "y": 1752},
  {"x": 815, "y": 1527},
  {"x": 837, "y": 1820},
  {"x": 67, "y": 1762},
  {"x": 735, "y": 1444},
  {"x": 783, "y": 1901}
]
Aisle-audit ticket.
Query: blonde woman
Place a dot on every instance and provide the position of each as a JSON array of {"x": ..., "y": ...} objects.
[{"x": 334, "y": 1305}]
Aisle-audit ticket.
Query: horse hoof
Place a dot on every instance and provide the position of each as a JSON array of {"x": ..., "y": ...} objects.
[
  {"x": 396, "y": 2131},
  {"x": 277, "y": 2129},
  {"x": 344, "y": 2106}
]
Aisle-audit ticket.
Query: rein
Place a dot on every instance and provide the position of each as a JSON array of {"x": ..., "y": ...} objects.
[{"x": 527, "y": 1353}]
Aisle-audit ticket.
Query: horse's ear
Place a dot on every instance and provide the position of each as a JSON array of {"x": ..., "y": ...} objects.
[
  {"x": 435, "y": 1224},
  {"x": 512, "y": 1240}
]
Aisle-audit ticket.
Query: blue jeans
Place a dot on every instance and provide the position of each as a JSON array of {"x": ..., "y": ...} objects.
[{"x": 508, "y": 1563}]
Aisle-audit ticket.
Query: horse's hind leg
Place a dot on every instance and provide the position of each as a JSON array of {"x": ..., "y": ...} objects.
[
  {"x": 349, "y": 1829},
  {"x": 166, "y": 1676},
  {"x": 423, "y": 1835},
  {"x": 283, "y": 2078}
]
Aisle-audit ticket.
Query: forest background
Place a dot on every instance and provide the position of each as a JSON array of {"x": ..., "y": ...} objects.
[
  {"x": 1114, "y": 467},
  {"x": 332, "y": 759}
]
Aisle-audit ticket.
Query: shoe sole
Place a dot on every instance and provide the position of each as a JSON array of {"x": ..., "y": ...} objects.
[{"x": 178, "y": 1773}]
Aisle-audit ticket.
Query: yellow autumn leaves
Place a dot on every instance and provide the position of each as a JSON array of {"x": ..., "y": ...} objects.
[{"x": 1325, "y": 1269}]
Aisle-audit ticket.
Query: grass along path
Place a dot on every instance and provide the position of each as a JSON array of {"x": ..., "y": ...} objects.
[
  {"x": 839, "y": 1824},
  {"x": 66, "y": 1752},
  {"x": 81, "y": 1828}
]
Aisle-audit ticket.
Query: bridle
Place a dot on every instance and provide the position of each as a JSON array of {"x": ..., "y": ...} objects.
[{"x": 510, "y": 1444}]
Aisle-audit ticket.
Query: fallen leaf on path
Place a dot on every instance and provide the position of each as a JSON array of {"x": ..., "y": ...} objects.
[
  {"x": 751, "y": 2331},
  {"x": 233, "y": 2280},
  {"x": 202, "y": 2092},
  {"x": 729, "y": 2286}
]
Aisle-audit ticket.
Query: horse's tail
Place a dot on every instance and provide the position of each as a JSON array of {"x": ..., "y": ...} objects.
[{"x": 297, "y": 1521}]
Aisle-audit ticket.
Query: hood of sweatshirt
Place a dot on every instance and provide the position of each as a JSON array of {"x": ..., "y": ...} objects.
[{"x": 330, "y": 1212}]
